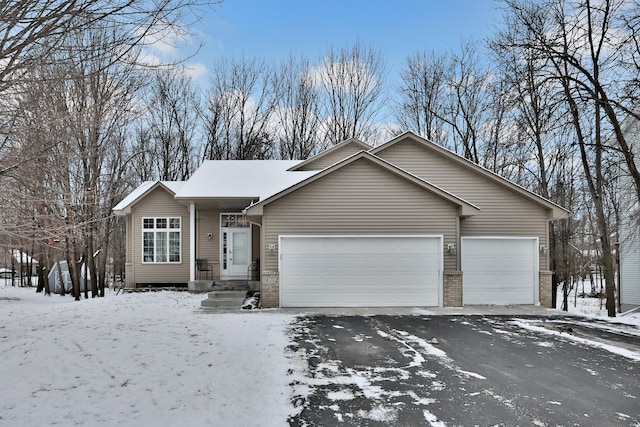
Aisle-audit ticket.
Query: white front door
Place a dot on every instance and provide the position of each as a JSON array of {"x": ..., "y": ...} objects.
[{"x": 235, "y": 258}]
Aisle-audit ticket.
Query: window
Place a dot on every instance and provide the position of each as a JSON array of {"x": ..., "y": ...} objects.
[
  {"x": 161, "y": 240},
  {"x": 234, "y": 221}
]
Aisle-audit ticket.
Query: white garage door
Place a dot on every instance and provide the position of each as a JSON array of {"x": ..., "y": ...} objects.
[
  {"x": 499, "y": 270},
  {"x": 365, "y": 271}
]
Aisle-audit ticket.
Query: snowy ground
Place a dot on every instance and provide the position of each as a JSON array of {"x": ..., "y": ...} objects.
[
  {"x": 592, "y": 307},
  {"x": 147, "y": 359},
  {"x": 139, "y": 359}
]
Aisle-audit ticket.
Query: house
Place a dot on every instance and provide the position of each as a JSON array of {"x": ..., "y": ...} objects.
[
  {"x": 407, "y": 223},
  {"x": 629, "y": 227},
  {"x": 19, "y": 262}
]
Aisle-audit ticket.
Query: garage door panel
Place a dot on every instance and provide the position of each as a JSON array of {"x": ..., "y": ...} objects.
[
  {"x": 359, "y": 271},
  {"x": 499, "y": 270},
  {"x": 354, "y": 298}
]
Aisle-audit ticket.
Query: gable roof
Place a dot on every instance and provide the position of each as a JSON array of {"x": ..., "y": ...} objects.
[
  {"x": 466, "y": 209},
  {"x": 240, "y": 179},
  {"x": 557, "y": 210},
  {"x": 359, "y": 145},
  {"x": 143, "y": 190}
]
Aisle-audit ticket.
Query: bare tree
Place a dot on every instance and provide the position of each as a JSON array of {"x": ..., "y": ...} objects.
[
  {"x": 422, "y": 95},
  {"x": 83, "y": 107},
  {"x": 241, "y": 103},
  {"x": 169, "y": 129},
  {"x": 34, "y": 33},
  {"x": 467, "y": 103},
  {"x": 31, "y": 31},
  {"x": 297, "y": 114},
  {"x": 352, "y": 82},
  {"x": 583, "y": 44}
]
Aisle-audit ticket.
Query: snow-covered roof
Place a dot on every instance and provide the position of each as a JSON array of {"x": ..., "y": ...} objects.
[
  {"x": 250, "y": 179},
  {"x": 173, "y": 186}
]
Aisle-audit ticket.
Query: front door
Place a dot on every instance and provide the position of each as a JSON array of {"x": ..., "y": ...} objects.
[{"x": 235, "y": 246}]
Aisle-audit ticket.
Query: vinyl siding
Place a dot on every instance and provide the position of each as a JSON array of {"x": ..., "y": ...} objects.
[
  {"x": 255, "y": 242},
  {"x": 629, "y": 242},
  {"x": 159, "y": 203},
  {"x": 629, "y": 226},
  {"x": 335, "y": 156},
  {"x": 360, "y": 199},
  {"x": 129, "y": 242},
  {"x": 629, "y": 266},
  {"x": 129, "y": 275},
  {"x": 503, "y": 212},
  {"x": 208, "y": 221}
]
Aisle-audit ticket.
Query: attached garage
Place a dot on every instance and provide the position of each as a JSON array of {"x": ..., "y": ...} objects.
[
  {"x": 365, "y": 271},
  {"x": 500, "y": 270}
]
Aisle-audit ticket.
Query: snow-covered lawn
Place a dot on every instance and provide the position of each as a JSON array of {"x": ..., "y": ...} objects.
[
  {"x": 150, "y": 359},
  {"x": 592, "y": 307},
  {"x": 139, "y": 359}
]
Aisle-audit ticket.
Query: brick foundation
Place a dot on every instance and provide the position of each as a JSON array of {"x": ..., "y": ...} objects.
[
  {"x": 544, "y": 288},
  {"x": 452, "y": 289},
  {"x": 270, "y": 289}
]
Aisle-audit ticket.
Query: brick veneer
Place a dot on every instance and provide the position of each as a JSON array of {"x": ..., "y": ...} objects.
[
  {"x": 452, "y": 288},
  {"x": 270, "y": 289},
  {"x": 544, "y": 288}
]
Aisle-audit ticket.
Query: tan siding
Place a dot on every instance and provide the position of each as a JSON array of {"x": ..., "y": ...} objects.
[
  {"x": 255, "y": 242},
  {"x": 159, "y": 203},
  {"x": 361, "y": 198},
  {"x": 332, "y": 157},
  {"x": 503, "y": 212},
  {"x": 129, "y": 273},
  {"x": 208, "y": 222},
  {"x": 129, "y": 242}
]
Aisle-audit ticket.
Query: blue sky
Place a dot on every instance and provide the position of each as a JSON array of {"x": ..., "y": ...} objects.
[{"x": 274, "y": 29}]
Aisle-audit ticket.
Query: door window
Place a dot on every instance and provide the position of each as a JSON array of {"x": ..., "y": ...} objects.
[
  {"x": 240, "y": 249},
  {"x": 234, "y": 221}
]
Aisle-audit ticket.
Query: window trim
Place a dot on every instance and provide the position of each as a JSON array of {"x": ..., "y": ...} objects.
[{"x": 165, "y": 237}]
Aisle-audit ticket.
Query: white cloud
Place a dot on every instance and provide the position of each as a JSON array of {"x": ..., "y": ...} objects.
[
  {"x": 167, "y": 39},
  {"x": 195, "y": 70}
]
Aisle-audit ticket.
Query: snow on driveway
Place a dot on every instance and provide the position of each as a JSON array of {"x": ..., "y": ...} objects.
[{"x": 139, "y": 359}]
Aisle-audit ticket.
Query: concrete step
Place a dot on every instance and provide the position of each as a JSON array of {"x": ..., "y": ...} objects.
[
  {"x": 236, "y": 285},
  {"x": 224, "y": 299},
  {"x": 227, "y": 294},
  {"x": 213, "y": 303},
  {"x": 200, "y": 285}
]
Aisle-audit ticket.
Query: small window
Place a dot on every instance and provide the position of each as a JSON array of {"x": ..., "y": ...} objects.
[
  {"x": 234, "y": 221},
  {"x": 161, "y": 240}
]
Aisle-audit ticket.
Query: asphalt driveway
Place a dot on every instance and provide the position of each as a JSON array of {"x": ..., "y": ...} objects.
[{"x": 465, "y": 371}]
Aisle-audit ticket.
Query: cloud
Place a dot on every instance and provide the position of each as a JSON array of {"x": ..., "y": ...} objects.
[
  {"x": 167, "y": 41},
  {"x": 195, "y": 70}
]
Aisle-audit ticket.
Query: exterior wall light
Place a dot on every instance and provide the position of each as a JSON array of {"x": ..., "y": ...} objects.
[
  {"x": 543, "y": 249},
  {"x": 451, "y": 248}
]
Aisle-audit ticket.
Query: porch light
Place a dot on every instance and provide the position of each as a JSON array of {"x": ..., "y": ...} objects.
[{"x": 543, "y": 249}]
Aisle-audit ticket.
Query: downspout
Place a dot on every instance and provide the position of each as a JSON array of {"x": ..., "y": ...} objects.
[{"x": 192, "y": 241}]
